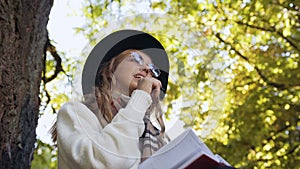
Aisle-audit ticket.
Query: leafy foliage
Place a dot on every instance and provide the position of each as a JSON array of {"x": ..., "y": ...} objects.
[
  {"x": 54, "y": 91},
  {"x": 45, "y": 156}
]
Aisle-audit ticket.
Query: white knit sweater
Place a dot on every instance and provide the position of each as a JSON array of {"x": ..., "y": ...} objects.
[{"x": 83, "y": 143}]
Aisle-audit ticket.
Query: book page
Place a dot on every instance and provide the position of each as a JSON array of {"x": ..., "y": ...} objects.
[{"x": 179, "y": 152}]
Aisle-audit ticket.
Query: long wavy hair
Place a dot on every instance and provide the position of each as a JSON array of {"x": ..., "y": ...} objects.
[{"x": 99, "y": 101}]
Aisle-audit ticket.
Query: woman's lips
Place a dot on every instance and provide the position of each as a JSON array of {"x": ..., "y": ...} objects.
[{"x": 139, "y": 75}]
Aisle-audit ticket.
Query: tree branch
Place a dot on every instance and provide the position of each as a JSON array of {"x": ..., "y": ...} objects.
[
  {"x": 271, "y": 29},
  {"x": 291, "y": 151},
  {"x": 58, "y": 67},
  {"x": 264, "y": 78}
]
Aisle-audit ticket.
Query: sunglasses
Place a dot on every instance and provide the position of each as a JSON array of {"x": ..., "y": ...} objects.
[{"x": 139, "y": 59}]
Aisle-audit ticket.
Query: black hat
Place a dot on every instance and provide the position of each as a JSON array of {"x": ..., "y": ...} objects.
[{"x": 119, "y": 41}]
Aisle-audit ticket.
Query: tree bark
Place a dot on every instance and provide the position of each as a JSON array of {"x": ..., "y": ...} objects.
[{"x": 23, "y": 34}]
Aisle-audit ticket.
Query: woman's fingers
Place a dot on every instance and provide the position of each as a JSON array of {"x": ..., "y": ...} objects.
[{"x": 149, "y": 85}]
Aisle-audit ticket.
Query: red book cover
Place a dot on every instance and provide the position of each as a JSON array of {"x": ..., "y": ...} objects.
[{"x": 203, "y": 162}]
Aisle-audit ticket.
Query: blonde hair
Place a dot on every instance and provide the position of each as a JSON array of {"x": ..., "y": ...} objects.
[{"x": 99, "y": 101}]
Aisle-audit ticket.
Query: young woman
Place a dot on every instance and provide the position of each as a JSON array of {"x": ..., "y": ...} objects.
[{"x": 123, "y": 81}]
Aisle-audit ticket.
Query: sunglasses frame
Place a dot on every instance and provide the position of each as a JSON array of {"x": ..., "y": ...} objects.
[{"x": 139, "y": 59}]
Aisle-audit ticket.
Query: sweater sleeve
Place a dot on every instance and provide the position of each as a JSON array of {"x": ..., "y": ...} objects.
[{"x": 83, "y": 143}]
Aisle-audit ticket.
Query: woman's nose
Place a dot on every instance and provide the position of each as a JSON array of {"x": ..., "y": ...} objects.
[{"x": 147, "y": 71}]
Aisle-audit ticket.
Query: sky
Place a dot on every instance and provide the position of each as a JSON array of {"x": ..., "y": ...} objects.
[{"x": 64, "y": 17}]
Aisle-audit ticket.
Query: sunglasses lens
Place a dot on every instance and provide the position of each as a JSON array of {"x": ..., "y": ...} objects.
[
  {"x": 154, "y": 70},
  {"x": 137, "y": 58}
]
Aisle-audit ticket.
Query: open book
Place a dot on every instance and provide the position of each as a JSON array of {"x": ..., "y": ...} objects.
[{"x": 185, "y": 151}]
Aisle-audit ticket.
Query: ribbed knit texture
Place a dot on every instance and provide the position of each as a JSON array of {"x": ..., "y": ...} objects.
[{"x": 83, "y": 143}]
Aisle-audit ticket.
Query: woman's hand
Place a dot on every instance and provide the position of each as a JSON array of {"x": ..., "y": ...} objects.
[{"x": 150, "y": 85}]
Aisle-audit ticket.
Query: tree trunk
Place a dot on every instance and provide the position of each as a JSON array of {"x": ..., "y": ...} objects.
[{"x": 23, "y": 34}]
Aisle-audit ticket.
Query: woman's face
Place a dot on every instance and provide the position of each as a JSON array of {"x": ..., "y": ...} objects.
[{"x": 129, "y": 72}]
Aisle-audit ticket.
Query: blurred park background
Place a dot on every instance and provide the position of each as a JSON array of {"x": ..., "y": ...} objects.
[{"x": 234, "y": 75}]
